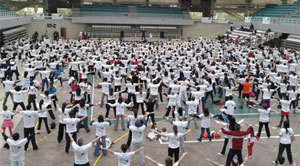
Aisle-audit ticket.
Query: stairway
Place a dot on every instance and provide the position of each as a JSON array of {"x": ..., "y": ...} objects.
[{"x": 132, "y": 11}]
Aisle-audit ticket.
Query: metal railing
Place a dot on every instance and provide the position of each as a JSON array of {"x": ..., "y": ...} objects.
[
  {"x": 276, "y": 20},
  {"x": 7, "y": 13},
  {"x": 77, "y": 13}
]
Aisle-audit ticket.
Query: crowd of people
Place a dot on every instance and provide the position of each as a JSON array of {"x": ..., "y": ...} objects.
[{"x": 134, "y": 76}]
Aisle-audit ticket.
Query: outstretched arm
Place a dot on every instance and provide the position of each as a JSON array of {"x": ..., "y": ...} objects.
[
  {"x": 182, "y": 157},
  {"x": 110, "y": 151},
  {"x": 213, "y": 162},
  {"x": 187, "y": 132},
  {"x": 71, "y": 138},
  {"x": 137, "y": 151},
  {"x": 96, "y": 139},
  {"x": 151, "y": 160}
]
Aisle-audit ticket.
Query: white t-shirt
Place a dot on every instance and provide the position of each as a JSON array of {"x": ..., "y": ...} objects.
[
  {"x": 174, "y": 140},
  {"x": 137, "y": 133},
  {"x": 71, "y": 124},
  {"x": 65, "y": 114},
  {"x": 285, "y": 105},
  {"x": 286, "y": 137},
  {"x": 100, "y": 128},
  {"x": 28, "y": 119},
  {"x": 8, "y": 85},
  {"x": 264, "y": 115},
  {"x": 267, "y": 93},
  {"x": 18, "y": 96},
  {"x": 205, "y": 120},
  {"x": 124, "y": 159},
  {"x": 154, "y": 89},
  {"x": 16, "y": 149},
  {"x": 81, "y": 153},
  {"x": 192, "y": 105},
  {"x": 230, "y": 106},
  {"x": 140, "y": 97},
  {"x": 181, "y": 126},
  {"x": 175, "y": 164},
  {"x": 6, "y": 115}
]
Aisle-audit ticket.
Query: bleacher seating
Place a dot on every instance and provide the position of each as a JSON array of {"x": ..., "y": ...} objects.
[
  {"x": 278, "y": 10},
  {"x": 293, "y": 42},
  {"x": 5, "y": 11},
  {"x": 243, "y": 36}
]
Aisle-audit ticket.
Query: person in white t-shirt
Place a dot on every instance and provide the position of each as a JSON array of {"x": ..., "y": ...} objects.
[
  {"x": 18, "y": 96},
  {"x": 63, "y": 113},
  {"x": 81, "y": 151},
  {"x": 230, "y": 107},
  {"x": 100, "y": 131},
  {"x": 205, "y": 123},
  {"x": 285, "y": 109},
  {"x": 173, "y": 148},
  {"x": 71, "y": 128},
  {"x": 29, "y": 123},
  {"x": 286, "y": 135},
  {"x": 7, "y": 120},
  {"x": 168, "y": 160},
  {"x": 120, "y": 108},
  {"x": 124, "y": 159},
  {"x": 137, "y": 141},
  {"x": 16, "y": 147},
  {"x": 264, "y": 119}
]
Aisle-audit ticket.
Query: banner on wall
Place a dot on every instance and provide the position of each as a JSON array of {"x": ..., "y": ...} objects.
[
  {"x": 223, "y": 20},
  {"x": 38, "y": 16},
  {"x": 247, "y": 19},
  {"x": 57, "y": 17},
  {"x": 206, "y": 19},
  {"x": 266, "y": 20}
]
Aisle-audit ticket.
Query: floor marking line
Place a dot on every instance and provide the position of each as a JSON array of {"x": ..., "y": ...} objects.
[
  {"x": 97, "y": 160},
  {"x": 220, "y": 140}
]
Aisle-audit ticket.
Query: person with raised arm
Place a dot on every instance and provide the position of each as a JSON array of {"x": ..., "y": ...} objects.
[
  {"x": 81, "y": 151},
  {"x": 168, "y": 160},
  {"x": 173, "y": 148},
  {"x": 16, "y": 147},
  {"x": 264, "y": 119},
  {"x": 124, "y": 159}
]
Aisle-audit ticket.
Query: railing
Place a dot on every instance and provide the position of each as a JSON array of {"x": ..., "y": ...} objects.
[
  {"x": 77, "y": 13},
  {"x": 7, "y": 13},
  {"x": 276, "y": 20}
]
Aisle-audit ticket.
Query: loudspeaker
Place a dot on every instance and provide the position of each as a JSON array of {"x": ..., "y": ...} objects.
[
  {"x": 162, "y": 35},
  {"x": 122, "y": 34}
]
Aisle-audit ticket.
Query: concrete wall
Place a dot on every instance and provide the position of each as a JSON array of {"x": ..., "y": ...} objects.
[
  {"x": 40, "y": 26},
  {"x": 13, "y": 21},
  {"x": 207, "y": 30}
]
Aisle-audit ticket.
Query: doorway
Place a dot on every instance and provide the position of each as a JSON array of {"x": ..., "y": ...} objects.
[{"x": 63, "y": 33}]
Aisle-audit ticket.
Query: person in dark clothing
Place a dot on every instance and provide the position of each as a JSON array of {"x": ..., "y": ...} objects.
[{"x": 150, "y": 109}]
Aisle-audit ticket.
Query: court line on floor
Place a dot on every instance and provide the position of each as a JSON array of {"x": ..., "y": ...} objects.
[
  {"x": 220, "y": 140},
  {"x": 116, "y": 140}
]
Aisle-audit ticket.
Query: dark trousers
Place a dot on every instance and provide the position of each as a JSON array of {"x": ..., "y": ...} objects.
[
  {"x": 129, "y": 138},
  {"x": 16, "y": 72},
  {"x": 281, "y": 120},
  {"x": 108, "y": 108},
  {"x": 31, "y": 100},
  {"x": 288, "y": 151},
  {"x": 261, "y": 124},
  {"x": 142, "y": 105},
  {"x": 168, "y": 111},
  {"x": 231, "y": 154},
  {"x": 174, "y": 152},
  {"x": 131, "y": 95},
  {"x": 61, "y": 131},
  {"x": 86, "y": 164},
  {"x": 202, "y": 132},
  {"x": 224, "y": 146},
  {"x": 27, "y": 132},
  {"x": 21, "y": 104},
  {"x": 51, "y": 113},
  {"x": 46, "y": 124},
  {"x": 152, "y": 118},
  {"x": 68, "y": 141},
  {"x": 85, "y": 124}
]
